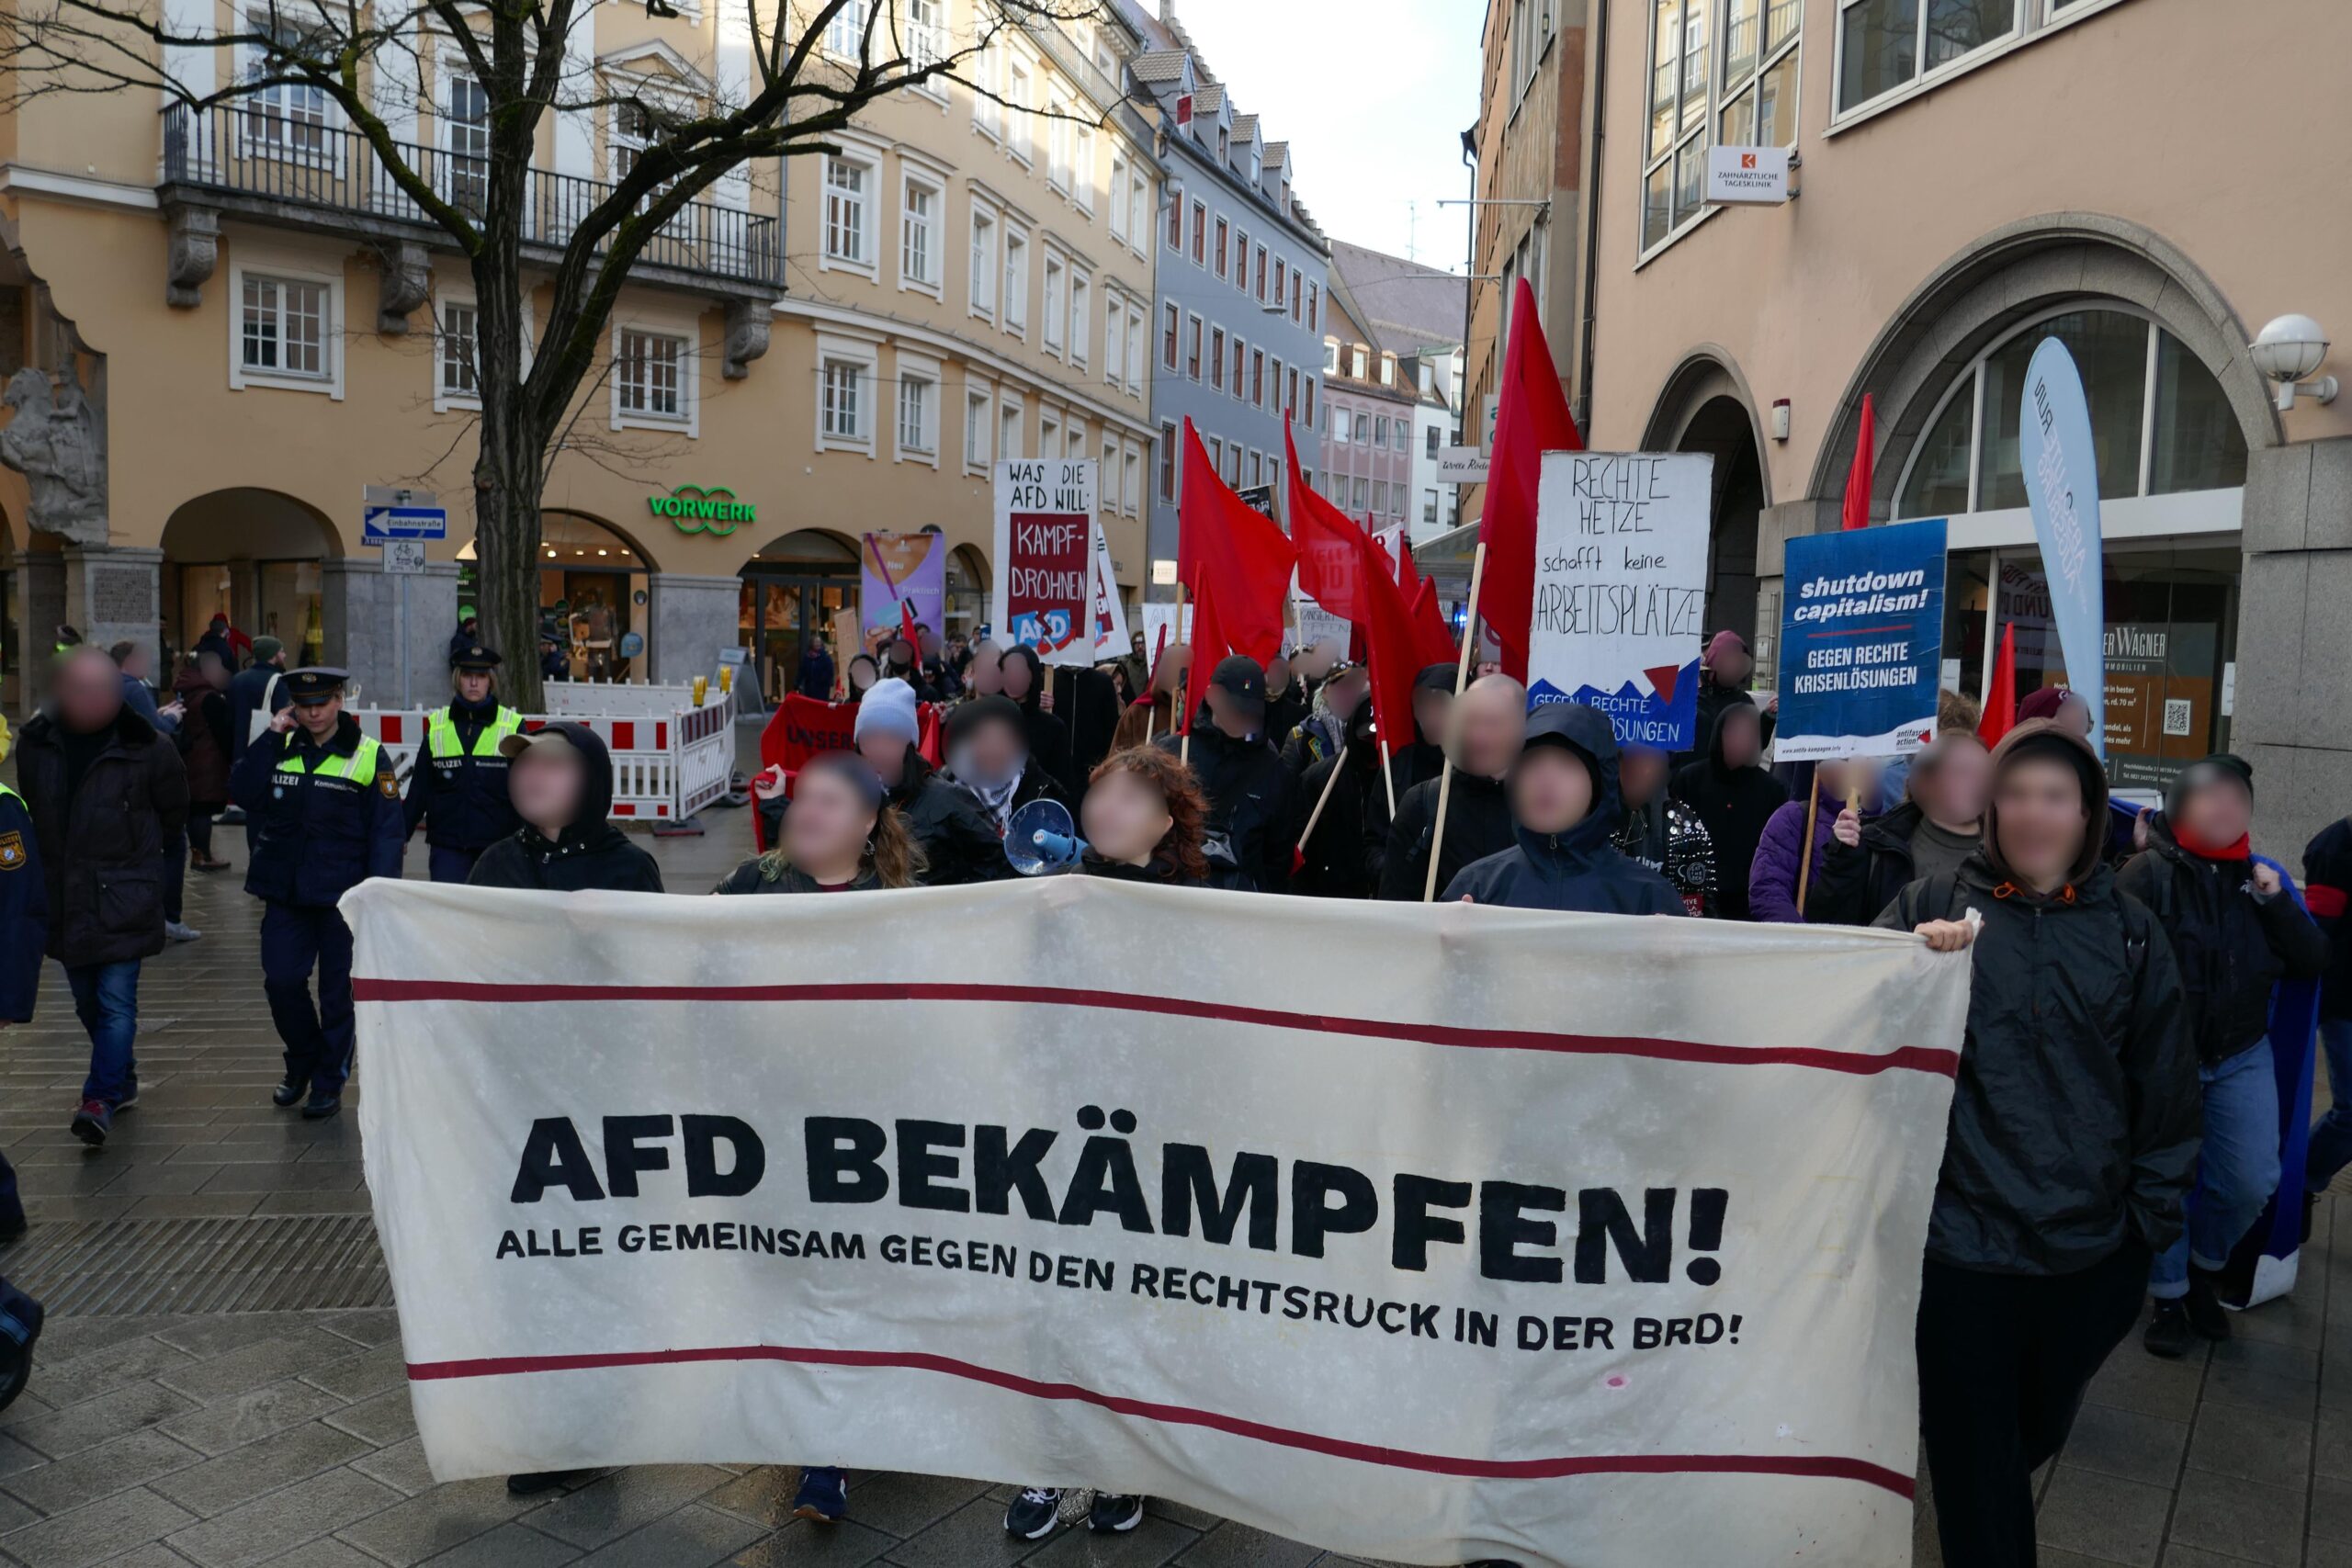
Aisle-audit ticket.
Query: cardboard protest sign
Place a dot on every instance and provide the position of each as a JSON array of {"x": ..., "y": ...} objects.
[
  {"x": 1044, "y": 596},
  {"x": 1110, "y": 615},
  {"x": 1621, "y": 590},
  {"x": 1861, "y": 642},
  {"x": 911, "y": 567},
  {"x": 1313, "y": 626},
  {"x": 666, "y": 1179}
]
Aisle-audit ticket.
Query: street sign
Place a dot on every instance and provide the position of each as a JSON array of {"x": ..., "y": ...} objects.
[
  {"x": 404, "y": 556},
  {"x": 1461, "y": 466},
  {"x": 1747, "y": 176},
  {"x": 377, "y": 524}
]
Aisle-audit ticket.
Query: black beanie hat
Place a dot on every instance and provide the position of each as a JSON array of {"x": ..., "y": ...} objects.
[{"x": 2221, "y": 767}]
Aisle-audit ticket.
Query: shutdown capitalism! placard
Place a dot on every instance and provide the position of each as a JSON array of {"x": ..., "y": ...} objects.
[
  {"x": 1621, "y": 590},
  {"x": 1861, "y": 642},
  {"x": 1044, "y": 596},
  {"x": 758, "y": 1181}
]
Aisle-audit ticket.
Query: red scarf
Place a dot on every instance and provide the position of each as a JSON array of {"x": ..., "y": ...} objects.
[{"x": 2242, "y": 850}]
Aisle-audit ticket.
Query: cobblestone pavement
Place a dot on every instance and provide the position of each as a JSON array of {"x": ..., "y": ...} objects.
[{"x": 162, "y": 1429}]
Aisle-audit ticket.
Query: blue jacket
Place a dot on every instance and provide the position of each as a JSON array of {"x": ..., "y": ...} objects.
[
  {"x": 461, "y": 797},
  {"x": 319, "y": 820},
  {"x": 24, "y": 909},
  {"x": 1579, "y": 869},
  {"x": 140, "y": 699}
]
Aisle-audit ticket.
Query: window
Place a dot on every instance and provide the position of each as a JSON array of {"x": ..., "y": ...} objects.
[
  {"x": 1290, "y": 394},
  {"x": 1257, "y": 470},
  {"x": 1176, "y": 218},
  {"x": 1166, "y": 460},
  {"x": 649, "y": 378},
  {"x": 1313, "y": 301},
  {"x": 1193, "y": 347},
  {"x": 285, "y": 120},
  {"x": 842, "y": 415},
  {"x": 1330, "y": 356},
  {"x": 845, "y": 34},
  {"x": 1232, "y": 465},
  {"x": 1310, "y": 400},
  {"x": 1363, "y": 430},
  {"x": 987, "y": 85},
  {"x": 1216, "y": 453},
  {"x": 1426, "y": 375},
  {"x": 1018, "y": 132},
  {"x": 919, "y": 206},
  {"x": 1217, "y": 250},
  {"x": 846, "y": 206},
  {"x": 460, "y": 354},
  {"x": 1057, "y": 143},
  {"x": 1362, "y": 493},
  {"x": 1282, "y": 279},
  {"x": 1049, "y": 437},
  {"x": 1081, "y": 319},
  {"x": 1134, "y": 347},
  {"x": 1008, "y": 432},
  {"x": 283, "y": 328},
  {"x": 1428, "y": 505},
  {"x": 1430, "y": 446},
  {"x": 1055, "y": 274},
  {"x": 1887, "y": 44},
  {"x": 1274, "y": 385},
  {"x": 1216, "y": 357},
  {"x": 975, "y": 429},
  {"x": 1017, "y": 281},
  {"x": 984, "y": 272},
  {"x": 1168, "y": 327},
  {"x": 1237, "y": 368},
  {"x": 465, "y": 142},
  {"x": 1119, "y": 197},
  {"x": 1359, "y": 361},
  {"x": 1083, "y": 168},
  {"x": 917, "y": 396},
  {"x": 1758, "y": 99},
  {"x": 1106, "y": 477},
  {"x": 1138, "y": 196},
  {"x": 1200, "y": 233},
  {"x": 1753, "y": 95},
  {"x": 1115, "y": 343},
  {"x": 1130, "y": 481},
  {"x": 1380, "y": 496},
  {"x": 1240, "y": 261},
  {"x": 1388, "y": 368},
  {"x": 1380, "y": 430},
  {"x": 1294, "y": 298},
  {"x": 1077, "y": 443},
  {"x": 926, "y": 36},
  {"x": 1258, "y": 378},
  {"x": 1262, "y": 274}
]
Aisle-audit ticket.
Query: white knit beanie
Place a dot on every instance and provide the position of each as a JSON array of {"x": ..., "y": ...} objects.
[{"x": 888, "y": 708}]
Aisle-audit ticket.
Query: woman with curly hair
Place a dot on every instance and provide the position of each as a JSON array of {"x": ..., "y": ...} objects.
[
  {"x": 841, "y": 836},
  {"x": 1142, "y": 820}
]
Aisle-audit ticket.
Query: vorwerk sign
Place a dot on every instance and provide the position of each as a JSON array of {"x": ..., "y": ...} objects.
[{"x": 696, "y": 509}]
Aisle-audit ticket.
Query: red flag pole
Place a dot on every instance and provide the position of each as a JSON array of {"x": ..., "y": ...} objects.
[{"x": 1454, "y": 723}]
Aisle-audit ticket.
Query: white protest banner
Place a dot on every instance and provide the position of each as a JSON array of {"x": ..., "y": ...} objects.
[
  {"x": 1044, "y": 596},
  {"x": 1621, "y": 589},
  {"x": 1311, "y": 625},
  {"x": 1160, "y": 616},
  {"x": 1110, "y": 615},
  {"x": 671, "y": 1180}
]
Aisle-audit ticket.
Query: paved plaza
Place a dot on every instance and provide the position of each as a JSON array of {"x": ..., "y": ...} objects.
[{"x": 220, "y": 1383}]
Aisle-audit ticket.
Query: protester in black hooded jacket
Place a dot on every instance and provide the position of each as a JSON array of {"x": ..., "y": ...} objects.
[
  {"x": 1415, "y": 762},
  {"x": 1661, "y": 832},
  {"x": 842, "y": 835},
  {"x": 561, "y": 780},
  {"x": 1087, "y": 704},
  {"x": 1489, "y": 725},
  {"x": 1023, "y": 674},
  {"x": 1734, "y": 798},
  {"x": 989, "y": 760},
  {"x": 1564, "y": 810},
  {"x": 1250, "y": 791},
  {"x": 2073, "y": 1132},
  {"x": 1332, "y": 858}
]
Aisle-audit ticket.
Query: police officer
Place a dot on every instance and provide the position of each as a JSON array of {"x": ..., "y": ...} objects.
[
  {"x": 458, "y": 791},
  {"x": 324, "y": 805}
]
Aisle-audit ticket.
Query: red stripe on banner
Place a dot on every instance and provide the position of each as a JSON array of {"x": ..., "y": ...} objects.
[
  {"x": 1917, "y": 1058},
  {"x": 1826, "y": 1466}
]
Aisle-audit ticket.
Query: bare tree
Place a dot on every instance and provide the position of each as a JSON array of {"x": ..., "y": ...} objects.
[{"x": 805, "y": 86}]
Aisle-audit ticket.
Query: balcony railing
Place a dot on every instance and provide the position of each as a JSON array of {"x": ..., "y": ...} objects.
[{"x": 284, "y": 150}]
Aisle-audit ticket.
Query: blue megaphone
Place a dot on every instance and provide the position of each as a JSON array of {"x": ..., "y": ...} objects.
[{"x": 1041, "y": 840}]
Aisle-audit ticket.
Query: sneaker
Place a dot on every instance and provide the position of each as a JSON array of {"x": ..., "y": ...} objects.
[
  {"x": 823, "y": 1498},
  {"x": 129, "y": 1096},
  {"x": 2169, "y": 1334},
  {"x": 291, "y": 1091},
  {"x": 1033, "y": 1514},
  {"x": 93, "y": 1123},
  {"x": 318, "y": 1107},
  {"x": 1114, "y": 1513},
  {"x": 531, "y": 1483},
  {"x": 180, "y": 930},
  {"x": 2206, "y": 1314}
]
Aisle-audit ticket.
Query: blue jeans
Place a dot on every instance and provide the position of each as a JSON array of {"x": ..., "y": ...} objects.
[
  {"x": 105, "y": 999},
  {"x": 2237, "y": 1170},
  {"x": 2331, "y": 1148}
]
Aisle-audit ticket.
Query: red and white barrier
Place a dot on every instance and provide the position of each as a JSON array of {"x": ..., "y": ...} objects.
[{"x": 667, "y": 762}]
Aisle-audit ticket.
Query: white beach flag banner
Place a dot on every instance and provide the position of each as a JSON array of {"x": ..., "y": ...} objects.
[{"x": 1558, "y": 1238}]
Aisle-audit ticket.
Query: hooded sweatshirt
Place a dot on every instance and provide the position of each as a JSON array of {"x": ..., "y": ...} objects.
[
  {"x": 1581, "y": 868},
  {"x": 1048, "y": 736},
  {"x": 590, "y": 853},
  {"x": 1333, "y": 860},
  {"x": 1733, "y": 805}
]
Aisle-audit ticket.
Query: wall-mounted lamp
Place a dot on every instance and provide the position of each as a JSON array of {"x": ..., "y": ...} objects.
[
  {"x": 2287, "y": 351},
  {"x": 1780, "y": 419}
]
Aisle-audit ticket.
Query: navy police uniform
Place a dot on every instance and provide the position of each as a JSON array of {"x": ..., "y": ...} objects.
[
  {"x": 323, "y": 819},
  {"x": 458, "y": 790}
]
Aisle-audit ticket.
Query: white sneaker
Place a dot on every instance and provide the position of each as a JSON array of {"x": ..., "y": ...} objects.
[{"x": 179, "y": 931}]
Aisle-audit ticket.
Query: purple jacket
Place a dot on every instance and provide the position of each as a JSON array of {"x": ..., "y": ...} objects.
[{"x": 1773, "y": 875}]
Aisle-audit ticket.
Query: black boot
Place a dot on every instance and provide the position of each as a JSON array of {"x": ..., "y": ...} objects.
[
  {"x": 289, "y": 1092},
  {"x": 2169, "y": 1334},
  {"x": 2207, "y": 1315}
]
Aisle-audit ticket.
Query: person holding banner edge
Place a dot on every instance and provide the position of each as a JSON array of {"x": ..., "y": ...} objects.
[{"x": 2072, "y": 1138}]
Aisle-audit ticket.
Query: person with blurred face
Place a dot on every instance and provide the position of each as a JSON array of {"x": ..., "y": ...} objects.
[
  {"x": 107, "y": 796},
  {"x": 2061, "y": 705},
  {"x": 902, "y": 663},
  {"x": 1250, "y": 791},
  {"x": 1410, "y": 759},
  {"x": 1661, "y": 833},
  {"x": 1022, "y": 675},
  {"x": 1156, "y": 711},
  {"x": 323, "y": 802},
  {"x": 1323, "y": 729},
  {"x": 1489, "y": 723},
  {"x": 1734, "y": 798},
  {"x": 1289, "y": 699},
  {"x": 1564, "y": 808},
  {"x": 982, "y": 677},
  {"x": 2073, "y": 1137},
  {"x": 959, "y": 843},
  {"x": 987, "y": 758},
  {"x": 1784, "y": 850},
  {"x": 1724, "y": 670},
  {"x": 2236, "y": 933},
  {"x": 842, "y": 835},
  {"x": 863, "y": 673},
  {"x": 1938, "y": 826}
]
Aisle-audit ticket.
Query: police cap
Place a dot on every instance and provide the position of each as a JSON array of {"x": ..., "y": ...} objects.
[
  {"x": 315, "y": 684},
  {"x": 475, "y": 658}
]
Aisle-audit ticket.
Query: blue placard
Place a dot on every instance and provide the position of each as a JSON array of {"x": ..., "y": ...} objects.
[
  {"x": 377, "y": 524},
  {"x": 1861, "y": 642}
]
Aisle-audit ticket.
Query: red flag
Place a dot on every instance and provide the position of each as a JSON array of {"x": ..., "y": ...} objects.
[
  {"x": 1208, "y": 646},
  {"x": 1222, "y": 545},
  {"x": 928, "y": 739},
  {"x": 1432, "y": 636},
  {"x": 1341, "y": 568},
  {"x": 1858, "y": 478},
  {"x": 1530, "y": 419},
  {"x": 2001, "y": 701},
  {"x": 1332, "y": 561},
  {"x": 907, "y": 626}
]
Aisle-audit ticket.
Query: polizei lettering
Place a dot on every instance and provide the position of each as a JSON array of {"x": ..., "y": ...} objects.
[{"x": 1103, "y": 1176}]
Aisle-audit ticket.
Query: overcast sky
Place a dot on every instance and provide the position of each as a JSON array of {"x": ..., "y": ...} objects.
[{"x": 1372, "y": 96}]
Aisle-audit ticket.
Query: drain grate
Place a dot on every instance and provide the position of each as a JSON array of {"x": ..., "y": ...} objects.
[{"x": 259, "y": 1263}]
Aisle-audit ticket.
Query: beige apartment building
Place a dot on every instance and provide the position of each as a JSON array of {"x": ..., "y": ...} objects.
[
  {"x": 235, "y": 326},
  {"x": 1973, "y": 179}
]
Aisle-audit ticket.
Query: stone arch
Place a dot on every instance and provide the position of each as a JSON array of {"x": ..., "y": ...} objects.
[
  {"x": 1705, "y": 406},
  {"x": 822, "y": 549},
  {"x": 255, "y": 554},
  {"x": 1992, "y": 285}
]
